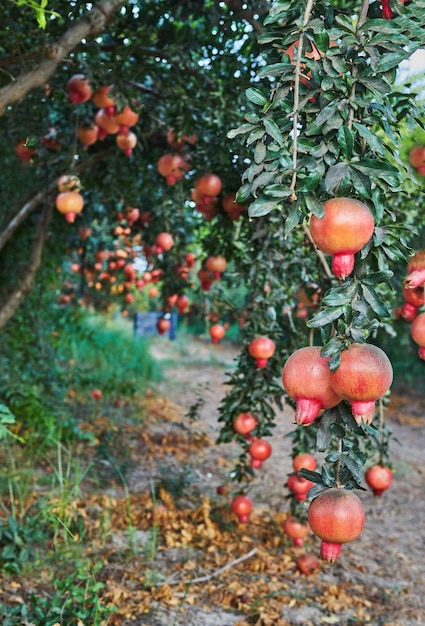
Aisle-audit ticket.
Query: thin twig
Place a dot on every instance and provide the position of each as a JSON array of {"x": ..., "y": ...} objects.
[
  {"x": 307, "y": 13},
  {"x": 208, "y": 577},
  {"x": 319, "y": 253}
]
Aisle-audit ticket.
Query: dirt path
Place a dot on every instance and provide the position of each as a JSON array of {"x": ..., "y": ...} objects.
[{"x": 385, "y": 565}]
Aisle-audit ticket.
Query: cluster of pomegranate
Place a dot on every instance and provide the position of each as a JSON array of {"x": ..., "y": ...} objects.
[
  {"x": 363, "y": 376},
  {"x": 109, "y": 119},
  {"x": 414, "y": 298}
]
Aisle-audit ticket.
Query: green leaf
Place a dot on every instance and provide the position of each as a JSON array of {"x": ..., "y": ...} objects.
[
  {"x": 326, "y": 316},
  {"x": 324, "y": 432},
  {"x": 256, "y": 96},
  {"x": 373, "y": 167},
  {"x": 260, "y": 152},
  {"x": 372, "y": 140},
  {"x": 261, "y": 207},
  {"x": 345, "y": 140},
  {"x": 333, "y": 346},
  {"x": 241, "y": 130},
  {"x": 390, "y": 60},
  {"x": 315, "y": 477},
  {"x": 295, "y": 216},
  {"x": 375, "y": 301},
  {"x": 273, "y": 130},
  {"x": 376, "y": 278},
  {"x": 314, "y": 205},
  {"x": 277, "y": 191},
  {"x": 334, "y": 176},
  {"x": 326, "y": 114}
]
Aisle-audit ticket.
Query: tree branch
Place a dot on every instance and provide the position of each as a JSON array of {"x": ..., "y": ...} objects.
[
  {"x": 90, "y": 24},
  {"x": 26, "y": 282}
]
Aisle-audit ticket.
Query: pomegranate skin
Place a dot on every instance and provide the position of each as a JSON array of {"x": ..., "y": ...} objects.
[
  {"x": 347, "y": 225},
  {"x": 259, "y": 451},
  {"x": 304, "y": 461},
  {"x": 417, "y": 331},
  {"x": 336, "y": 516},
  {"x": 299, "y": 486},
  {"x": 364, "y": 375},
  {"x": 296, "y": 530},
  {"x": 307, "y": 564},
  {"x": 379, "y": 478},
  {"x": 261, "y": 349},
  {"x": 306, "y": 379},
  {"x": 242, "y": 507},
  {"x": 416, "y": 270}
]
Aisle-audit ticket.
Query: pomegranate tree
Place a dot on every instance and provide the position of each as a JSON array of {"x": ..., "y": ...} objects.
[
  {"x": 336, "y": 516},
  {"x": 306, "y": 378},
  {"x": 346, "y": 226}
]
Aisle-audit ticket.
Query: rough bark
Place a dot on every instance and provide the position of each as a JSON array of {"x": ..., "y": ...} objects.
[
  {"x": 25, "y": 283},
  {"x": 92, "y": 23}
]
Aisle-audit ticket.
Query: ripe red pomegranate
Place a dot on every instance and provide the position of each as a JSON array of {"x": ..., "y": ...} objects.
[
  {"x": 23, "y": 151},
  {"x": 102, "y": 99},
  {"x": 417, "y": 157},
  {"x": 379, "y": 478},
  {"x": 242, "y": 507},
  {"x": 126, "y": 142},
  {"x": 364, "y": 375},
  {"x": 231, "y": 207},
  {"x": 70, "y": 203},
  {"x": 217, "y": 332},
  {"x": 182, "y": 304},
  {"x": 164, "y": 241},
  {"x": 299, "y": 486},
  {"x": 87, "y": 135},
  {"x": 190, "y": 258},
  {"x": 306, "y": 378},
  {"x": 206, "y": 278},
  {"x": 414, "y": 298},
  {"x": 178, "y": 142},
  {"x": 172, "y": 167},
  {"x": 304, "y": 461},
  {"x": 244, "y": 424},
  {"x": 78, "y": 88},
  {"x": 307, "y": 564},
  {"x": 163, "y": 325},
  {"x": 126, "y": 119},
  {"x": 261, "y": 349},
  {"x": 417, "y": 332},
  {"x": 208, "y": 186},
  {"x": 416, "y": 270},
  {"x": 336, "y": 516},
  {"x": 129, "y": 298},
  {"x": 153, "y": 292},
  {"x": 106, "y": 124},
  {"x": 216, "y": 265},
  {"x": 96, "y": 394},
  {"x": 347, "y": 225},
  {"x": 259, "y": 451},
  {"x": 296, "y": 530}
]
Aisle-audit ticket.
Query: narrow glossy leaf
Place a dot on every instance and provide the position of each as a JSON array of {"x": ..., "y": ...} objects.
[
  {"x": 326, "y": 114},
  {"x": 295, "y": 216},
  {"x": 348, "y": 419},
  {"x": 338, "y": 430},
  {"x": 261, "y": 207},
  {"x": 375, "y": 301},
  {"x": 361, "y": 182},
  {"x": 345, "y": 140},
  {"x": 333, "y": 346},
  {"x": 256, "y": 96},
  {"x": 390, "y": 60},
  {"x": 255, "y": 135},
  {"x": 277, "y": 191},
  {"x": 371, "y": 139},
  {"x": 374, "y": 167},
  {"x": 241, "y": 130},
  {"x": 335, "y": 361},
  {"x": 276, "y": 69},
  {"x": 354, "y": 467},
  {"x": 316, "y": 491},
  {"x": 377, "y": 277},
  {"x": 326, "y": 316},
  {"x": 324, "y": 432},
  {"x": 273, "y": 130},
  {"x": 314, "y": 205},
  {"x": 260, "y": 152},
  {"x": 334, "y": 175},
  {"x": 315, "y": 477},
  {"x": 328, "y": 475},
  {"x": 310, "y": 182}
]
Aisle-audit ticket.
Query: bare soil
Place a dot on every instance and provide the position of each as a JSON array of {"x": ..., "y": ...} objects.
[{"x": 383, "y": 570}]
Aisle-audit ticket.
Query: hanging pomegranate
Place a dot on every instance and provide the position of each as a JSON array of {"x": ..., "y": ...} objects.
[
  {"x": 126, "y": 119},
  {"x": 242, "y": 507},
  {"x": 363, "y": 376},
  {"x": 217, "y": 332},
  {"x": 106, "y": 124},
  {"x": 126, "y": 142},
  {"x": 182, "y": 304},
  {"x": 216, "y": 265},
  {"x": 336, "y": 516},
  {"x": 70, "y": 203},
  {"x": 346, "y": 226},
  {"x": 78, "y": 89},
  {"x": 296, "y": 530},
  {"x": 172, "y": 167},
  {"x": 244, "y": 424},
  {"x": 87, "y": 135},
  {"x": 416, "y": 270},
  {"x": 208, "y": 186},
  {"x": 69, "y": 182},
  {"x": 259, "y": 451},
  {"x": 299, "y": 486},
  {"x": 417, "y": 332},
  {"x": 379, "y": 478},
  {"x": 414, "y": 298},
  {"x": 306, "y": 378},
  {"x": 102, "y": 99},
  {"x": 304, "y": 460},
  {"x": 164, "y": 241},
  {"x": 163, "y": 325},
  {"x": 261, "y": 349}
]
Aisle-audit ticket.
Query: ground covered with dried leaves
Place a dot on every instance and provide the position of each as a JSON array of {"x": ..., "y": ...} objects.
[{"x": 170, "y": 551}]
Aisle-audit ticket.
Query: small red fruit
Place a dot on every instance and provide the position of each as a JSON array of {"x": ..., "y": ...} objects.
[
  {"x": 296, "y": 530},
  {"x": 96, "y": 394},
  {"x": 242, "y": 507},
  {"x": 417, "y": 156},
  {"x": 306, "y": 378},
  {"x": 78, "y": 88},
  {"x": 304, "y": 461},
  {"x": 299, "y": 486},
  {"x": 217, "y": 332},
  {"x": 244, "y": 424},
  {"x": 216, "y": 265},
  {"x": 182, "y": 304},
  {"x": 164, "y": 241},
  {"x": 346, "y": 226},
  {"x": 364, "y": 375},
  {"x": 259, "y": 451},
  {"x": 417, "y": 332},
  {"x": 261, "y": 349},
  {"x": 336, "y": 516},
  {"x": 208, "y": 186},
  {"x": 126, "y": 142},
  {"x": 70, "y": 203},
  {"x": 24, "y": 152},
  {"x": 379, "y": 478},
  {"x": 163, "y": 325},
  {"x": 307, "y": 564}
]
